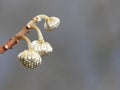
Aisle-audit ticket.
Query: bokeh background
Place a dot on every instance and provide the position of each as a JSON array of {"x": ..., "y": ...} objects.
[{"x": 86, "y": 45}]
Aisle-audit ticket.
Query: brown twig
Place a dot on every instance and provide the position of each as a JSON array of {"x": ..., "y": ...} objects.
[{"x": 13, "y": 40}]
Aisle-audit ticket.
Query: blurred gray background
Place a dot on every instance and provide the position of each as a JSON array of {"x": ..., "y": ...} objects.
[{"x": 86, "y": 45}]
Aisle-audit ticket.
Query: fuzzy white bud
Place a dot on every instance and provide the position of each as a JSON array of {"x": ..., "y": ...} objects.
[
  {"x": 51, "y": 23},
  {"x": 30, "y": 58},
  {"x": 42, "y": 47}
]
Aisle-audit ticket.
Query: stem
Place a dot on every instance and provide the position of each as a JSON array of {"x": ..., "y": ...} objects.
[
  {"x": 40, "y": 36},
  {"x": 36, "y": 19},
  {"x": 42, "y": 16},
  {"x": 27, "y": 40}
]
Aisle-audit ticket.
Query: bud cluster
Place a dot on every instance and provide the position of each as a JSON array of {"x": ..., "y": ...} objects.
[{"x": 32, "y": 57}]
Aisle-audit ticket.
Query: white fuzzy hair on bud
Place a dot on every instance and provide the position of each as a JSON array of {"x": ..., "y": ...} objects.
[
  {"x": 42, "y": 47},
  {"x": 30, "y": 59},
  {"x": 51, "y": 23}
]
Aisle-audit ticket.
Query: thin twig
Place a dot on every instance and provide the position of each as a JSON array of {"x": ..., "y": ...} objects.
[{"x": 13, "y": 40}]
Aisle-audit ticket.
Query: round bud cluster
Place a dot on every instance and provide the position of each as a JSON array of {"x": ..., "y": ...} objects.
[
  {"x": 42, "y": 47},
  {"x": 30, "y": 58},
  {"x": 51, "y": 23}
]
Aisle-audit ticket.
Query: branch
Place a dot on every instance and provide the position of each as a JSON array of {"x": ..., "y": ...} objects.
[
  {"x": 14, "y": 40},
  {"x": 50, "y": 24}
]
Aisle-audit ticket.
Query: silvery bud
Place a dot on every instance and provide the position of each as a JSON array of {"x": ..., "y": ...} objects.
[
  {"x": 51, "y": 23},
  {"x": 42, "y": 47},
  {"x": 30, "y": 58}
]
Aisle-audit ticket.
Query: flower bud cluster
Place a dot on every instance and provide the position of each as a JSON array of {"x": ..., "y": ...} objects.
[
  {"x": 51, "y": 23},
  {"x": 42, "y": 47},
  {"x": 31, "y": 58}
]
